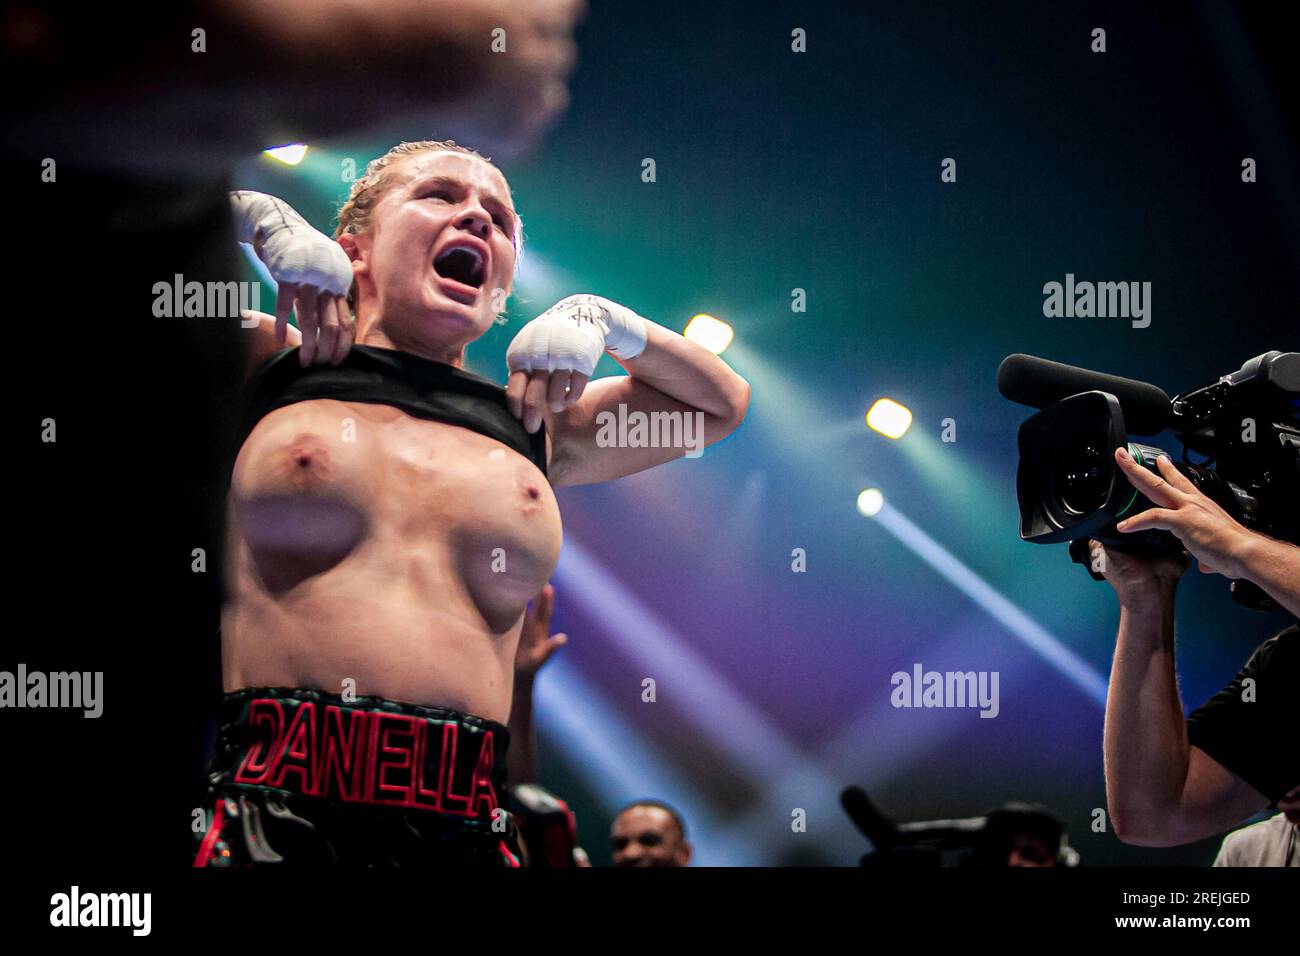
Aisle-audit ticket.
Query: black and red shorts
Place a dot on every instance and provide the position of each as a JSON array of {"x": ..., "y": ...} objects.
[{"x": 307, "y": 777}]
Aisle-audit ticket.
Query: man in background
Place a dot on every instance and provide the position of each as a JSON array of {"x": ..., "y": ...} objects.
[{"x": 649, "y": 833}]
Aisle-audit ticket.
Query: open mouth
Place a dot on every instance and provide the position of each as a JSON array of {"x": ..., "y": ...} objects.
[{"x": 462, "y": 264}]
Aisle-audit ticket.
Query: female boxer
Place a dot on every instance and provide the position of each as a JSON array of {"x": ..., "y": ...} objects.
[{"x": 391, "y": 514}]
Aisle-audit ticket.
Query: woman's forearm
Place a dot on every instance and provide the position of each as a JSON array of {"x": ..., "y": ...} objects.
[
  {"x": 689, "y": 373},
  {"x": 258, "y": 215}
]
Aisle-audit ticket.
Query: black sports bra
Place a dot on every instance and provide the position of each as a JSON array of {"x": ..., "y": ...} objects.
[{"x": 418, "y": 386}]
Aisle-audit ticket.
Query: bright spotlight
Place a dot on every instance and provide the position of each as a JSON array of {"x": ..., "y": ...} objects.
[
  {"x": 707, "y": 331},
  {"x": 889, "y": 418},
  {"x": 870, "y": 502},
  {"x": 290, "y": 155}
]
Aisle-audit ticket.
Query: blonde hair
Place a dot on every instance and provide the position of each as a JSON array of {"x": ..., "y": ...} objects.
[{"x": 355, "y": 215}]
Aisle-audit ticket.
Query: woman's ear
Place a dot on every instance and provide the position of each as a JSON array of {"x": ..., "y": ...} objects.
[
  {"x": 358, "y": 252},
  {"x": 351, "y": 246}
]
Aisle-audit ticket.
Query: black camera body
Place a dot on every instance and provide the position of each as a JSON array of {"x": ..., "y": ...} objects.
[{"x": 1246, "y": 424}]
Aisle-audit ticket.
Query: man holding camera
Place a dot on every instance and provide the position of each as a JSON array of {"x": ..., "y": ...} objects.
[{"x": 1168, "y": 780}]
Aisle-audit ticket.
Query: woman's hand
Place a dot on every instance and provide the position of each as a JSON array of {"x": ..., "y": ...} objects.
[
  {"x": 326, "y": 323},
  {"x": 311, "y": 271},
  {"x": 553, "y": 356}
]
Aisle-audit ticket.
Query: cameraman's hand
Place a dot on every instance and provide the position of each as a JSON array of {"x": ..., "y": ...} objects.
[
  {"x": 1139, "y": 581},
  {"x": 1216, "y": 541}
]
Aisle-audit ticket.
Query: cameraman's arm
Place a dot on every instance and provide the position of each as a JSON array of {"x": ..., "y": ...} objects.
[
  {"x": 1275, "y": 567},
  {"x": 1161, "y": 790},
  {"x": 1144, "y": 741},
  {"x": 1219, "y": 544}
]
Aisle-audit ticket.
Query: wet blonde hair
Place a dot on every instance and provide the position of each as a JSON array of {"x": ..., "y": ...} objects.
[{"x": 356, "y": 213}]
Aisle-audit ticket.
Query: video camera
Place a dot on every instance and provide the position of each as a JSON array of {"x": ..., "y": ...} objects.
[
  {"x": 987, "y": 840},
  {"x": 1247, "y": 424}
]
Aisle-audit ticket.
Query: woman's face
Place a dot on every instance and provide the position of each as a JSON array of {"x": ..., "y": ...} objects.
[{"x": 438, "y": 261}]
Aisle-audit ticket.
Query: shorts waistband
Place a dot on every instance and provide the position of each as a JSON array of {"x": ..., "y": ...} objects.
[{"x": 365, "y": 751}]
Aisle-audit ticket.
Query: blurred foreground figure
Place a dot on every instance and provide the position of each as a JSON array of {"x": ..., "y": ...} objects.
[{"x": 195, "y": 86}]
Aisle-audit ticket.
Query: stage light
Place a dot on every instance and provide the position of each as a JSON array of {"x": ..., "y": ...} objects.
[
  {"x": 707, "y": 331},
  {"x": 870, "y": 502},
  {"x": 889, "y": 418},
  {"x": 290, "y": 155}
]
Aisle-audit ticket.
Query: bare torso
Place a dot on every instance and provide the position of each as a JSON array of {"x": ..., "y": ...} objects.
[{"x": 402, "y": 559}]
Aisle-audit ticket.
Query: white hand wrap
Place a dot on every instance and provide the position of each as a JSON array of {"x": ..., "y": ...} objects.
[
  {"x": 570, "y": 336},
  {"x": 293, "y": 251}
]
